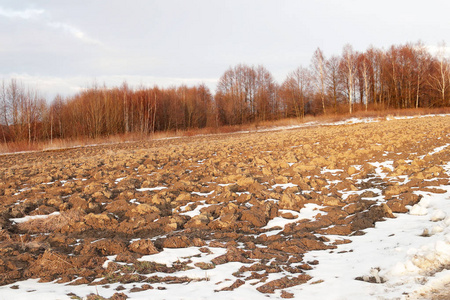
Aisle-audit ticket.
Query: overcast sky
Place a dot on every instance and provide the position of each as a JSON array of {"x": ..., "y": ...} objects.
[{"x": 64, "y": 46}]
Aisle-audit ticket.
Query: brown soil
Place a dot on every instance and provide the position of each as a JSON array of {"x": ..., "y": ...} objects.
[{"x": 234, "y": 179}]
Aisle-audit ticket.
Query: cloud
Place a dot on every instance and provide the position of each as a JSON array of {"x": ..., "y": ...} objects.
[
  {"x": 41, "y": 15},
  {"x": 21, "y": 14},
  {"x": 75, "y": 32},
  {"x": 440, "y": 50}
]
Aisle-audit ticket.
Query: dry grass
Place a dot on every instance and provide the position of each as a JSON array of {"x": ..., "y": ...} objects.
[
  {"x": 52, "y": 223},
  {"x": 400, "y": 112},
  {"x": 213, "y": 130},
  {"x": 19, "y": 147},
  {"x": 342, "y": 114}
]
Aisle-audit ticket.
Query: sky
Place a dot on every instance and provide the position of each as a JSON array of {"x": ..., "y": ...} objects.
[{"x": 62, "y": 47}]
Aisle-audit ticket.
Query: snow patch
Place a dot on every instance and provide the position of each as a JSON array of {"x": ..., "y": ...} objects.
[
  {"x": 29, "y": 218},
  {"x": 310, "y": 211},
  {"x": 284, "y": 185},
  {"x": 158, "y": 188}
]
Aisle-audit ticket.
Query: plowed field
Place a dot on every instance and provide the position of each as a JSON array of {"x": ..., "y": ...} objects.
[{"x": 206, "y": 215}]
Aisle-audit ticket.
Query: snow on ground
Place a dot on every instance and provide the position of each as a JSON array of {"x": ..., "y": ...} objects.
[
  {"x": 283, "y": 185},
  {"x": 195, "y": 211},
  {"x": 438, "y": 149},
  {"x": 204, "y": 287},
  {"x": 308, "y": 212},
  {"x": 400, "y": 258},
  {"x": 396, "y": 250},
  {"x": 202, "y": 194},
  {"x": 158, "y": 188},
  {"x": 407, "y": 255},
  {"x": 349, "y": 121},
  {"x": 379, "y": 167},
  {"x": 29, "y": 218}
]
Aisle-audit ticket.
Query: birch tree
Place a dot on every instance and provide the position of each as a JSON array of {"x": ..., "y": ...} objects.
[
  {"x": 349, "y": 70},
  {"x": 363, "y": 70},
  {"x": 439, "y": 79},
  {"x": 319, "y": 74}
]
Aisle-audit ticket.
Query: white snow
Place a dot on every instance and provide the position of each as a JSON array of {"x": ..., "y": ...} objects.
[
  {"x": 29, "y": 218},
  {"x": 438, "y": 215},
  {"x": 202, "y": 194},
  {"x": 380, "y": 167},
  {"x": 308, "y": 212},
  {"x": 418, "y": 209},
  {"x": 333, "y": 172},
  {"x": 394, "y": 253},
  {"x": 134, "y": 201},
  {"x": 436, "y": 150},
  {"x": 195, "y": 211},
  {"x": 158, "y": 188},
  {"x": 170, "y": 256},
  {"x": 283, "y": 185},
  {"x": 408, "y": 261},
  {"x": 110, "y": 259},
  {"x": 403, "y": 260},
  {"x": 119, "y": 180}
]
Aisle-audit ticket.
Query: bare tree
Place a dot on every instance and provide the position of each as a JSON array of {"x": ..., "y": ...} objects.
[
  {"x": 349, "y": 70},
  {"x": 439, "y": 79},
  {"x": 422, "y": 59},
  {"x": 17, "y": 103},
  {"x": 265, "y": 94},
  {"x": 363, "y": 71},
  {"x": 126, "y": 120},
  {"x": 295, "y": 90},
  {"x": 333, "y": 82},
  {"x": 245, "y": 94},
  {"x": 319, "y": 74},
  {"x": 4, "y": 110}
]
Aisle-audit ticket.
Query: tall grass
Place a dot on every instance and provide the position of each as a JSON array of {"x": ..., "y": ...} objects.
[{"x": 58, "y": 144}]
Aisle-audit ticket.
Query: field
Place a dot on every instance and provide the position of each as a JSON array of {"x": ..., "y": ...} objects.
[{"x": 350, "y": 210}]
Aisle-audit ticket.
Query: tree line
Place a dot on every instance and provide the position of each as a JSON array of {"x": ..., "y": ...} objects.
[{"x": 403, "y": 76}]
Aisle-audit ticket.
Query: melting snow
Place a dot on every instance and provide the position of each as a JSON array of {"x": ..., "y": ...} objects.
[
  {"x": 158, "y": 188},
  {"x": 29, "y": 218},
  {"x": 283, "y": 185},
  {"x": 310, "y": 211},
  {"x": 436, "y": 150},
  {"x": 395, "y": 252},
  {"x": 379, "y": 167},
  {"x": 408, "y": 260},
  {"x": 202, "y": 194},
  {"x": 195, "y": 211},
  {"x": 119, "y": 179}
]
